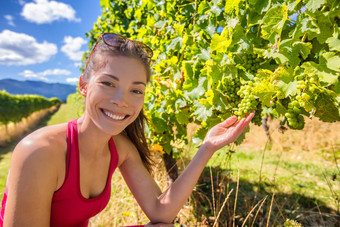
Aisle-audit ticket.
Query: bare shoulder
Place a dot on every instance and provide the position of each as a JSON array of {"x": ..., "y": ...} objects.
[
  {"x": 44, "y": 149},
  {"x": 125, "y": 148},
  {"x": 49, "y": 139}
]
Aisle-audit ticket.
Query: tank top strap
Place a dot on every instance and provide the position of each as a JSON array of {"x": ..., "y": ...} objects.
[
  {"x": 72, "y": 149},
  {"x": 114, "y": 156}
]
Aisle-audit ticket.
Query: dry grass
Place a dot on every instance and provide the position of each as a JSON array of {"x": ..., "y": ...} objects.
[
  {"x": 123, "y": 210},
  {"x": 16, "y": 130},
  {"x": 317, "y": 136},
  {"x": 315, "y": 142}
]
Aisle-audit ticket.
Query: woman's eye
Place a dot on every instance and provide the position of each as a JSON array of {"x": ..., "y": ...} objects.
[
  {"x": 107, "y": 83},
  {"x": 138, "y": 92}
]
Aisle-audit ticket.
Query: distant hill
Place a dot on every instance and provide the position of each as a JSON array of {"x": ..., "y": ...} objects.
[{"x": 47, "y": 90}]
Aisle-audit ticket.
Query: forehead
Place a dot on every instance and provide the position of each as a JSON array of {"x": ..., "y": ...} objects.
[{"x": 121, "y": 66}]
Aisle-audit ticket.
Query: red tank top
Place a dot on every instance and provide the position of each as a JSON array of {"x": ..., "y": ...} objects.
[{"x": 69, "y": 207}]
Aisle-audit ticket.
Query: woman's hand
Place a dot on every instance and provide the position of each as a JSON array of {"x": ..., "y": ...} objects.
[{"x": 225, "y": 133}]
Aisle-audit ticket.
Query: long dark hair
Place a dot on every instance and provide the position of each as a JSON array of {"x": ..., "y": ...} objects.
[{"x": 136, "y": 130}]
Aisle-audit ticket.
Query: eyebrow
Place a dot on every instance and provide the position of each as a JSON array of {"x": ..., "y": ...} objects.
[{"x": 117, "y": 79}]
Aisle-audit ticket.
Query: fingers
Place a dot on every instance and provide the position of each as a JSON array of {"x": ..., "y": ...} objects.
[
  {"x": 230, "y": 121},
  {"x": 246, "y": 122}
]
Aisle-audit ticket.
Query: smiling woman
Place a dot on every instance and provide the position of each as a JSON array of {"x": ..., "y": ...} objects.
[{"x": 68, "y": 167}]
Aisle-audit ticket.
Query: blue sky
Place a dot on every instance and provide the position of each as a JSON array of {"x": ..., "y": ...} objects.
[{"x": 44, "y": 39}]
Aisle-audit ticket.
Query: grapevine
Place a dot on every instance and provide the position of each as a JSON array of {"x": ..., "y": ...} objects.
[
  {"x": 215, "y": 59},
  {"x": 14, "y": 108}
]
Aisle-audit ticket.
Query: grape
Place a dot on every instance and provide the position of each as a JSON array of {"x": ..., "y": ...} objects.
[
  {"x": 229, "y": 86},
  {"x": 248, "y": 102},
  {"x": 294, "y": 117},
  {"x": 257, "y": 119},
  {"x": 301, "y": 85},
  {"x": 251, "y": 62}
]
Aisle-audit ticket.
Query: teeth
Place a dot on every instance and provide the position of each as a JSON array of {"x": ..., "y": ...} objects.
[{"x": 114, "y": 117}]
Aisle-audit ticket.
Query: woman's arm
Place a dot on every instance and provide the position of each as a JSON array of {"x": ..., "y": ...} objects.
[
  {"x": 163, "y": 207},
  {"x": 31, "y": 183}
]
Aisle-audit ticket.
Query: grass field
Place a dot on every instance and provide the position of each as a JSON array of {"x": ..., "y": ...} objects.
[{"x": 296, "y": 176}]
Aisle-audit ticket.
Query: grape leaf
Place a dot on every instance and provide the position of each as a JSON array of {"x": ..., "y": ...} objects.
[
  {"x": 200, "y": 135},
  {"x": 333, "y": 43},
  {"x": 286, "y": 83},
  {"x": 214, "y": 74},
  {"x": 273, "y": 22},
  {"x": 187, "y": 70},
  {"x": 216, "y": 10},
  {"x": 312, "y": 68},
  {"x": 160, "y": 24},
  {"x": 305, "y": 25},
  {"x": 337, "y": 88},
  {"x": 254, "y": 18},
  {"x": 232, "y": 5},
  {"x": 180, "y": 103},
  {"x": 182, "y": 117},
  {"x": 203, "y": 7},
  {"x": 326, "y": 109},
  {"x": 265, "y": 91},
  {"x": 280, "y": 109},
  {"x": 302, "y": 48},
  {"x": 159, "y": 123},
  {"x": 202, "y": 112},
  {"x": 175, "y": 44},
  {"x": 105, "y": 3},
  {"x": 260, "y": 6},
  {"x": 210, "y": 30},
  {"x": 332, "y": 61},
  {"x": 220, "y": 42},
  {"x": 313, "y": 5},
  {"x": 197, "y": 89},
  {"x": 324, "y": 24},
  {"x": 204, "y": 55}
]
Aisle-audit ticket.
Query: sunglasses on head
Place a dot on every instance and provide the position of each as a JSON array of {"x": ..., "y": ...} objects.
[{"x": 115, "y": 40}]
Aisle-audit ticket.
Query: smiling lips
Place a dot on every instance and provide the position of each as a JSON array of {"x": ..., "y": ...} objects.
[{"x": 115, "y": 116}]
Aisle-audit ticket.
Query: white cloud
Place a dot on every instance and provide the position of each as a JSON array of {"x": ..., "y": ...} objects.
[
  {"x": 78, "y": 64},
  {"x": 22, "y": 2},
  {"x": 45, "y": 11},
  {"x": 10, "y": 20},
  {"x": 73, "y": 80},
  {"x": 51, "y": 72},
  {"x": 72, "y": 47},
  {"x": 42, "y": 75},
  {"x": 32, "y": 75},
  {"x": 22, "y": 49}
]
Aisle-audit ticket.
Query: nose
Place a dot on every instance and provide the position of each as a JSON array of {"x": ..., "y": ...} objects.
[{"x": 119, "y": 98}]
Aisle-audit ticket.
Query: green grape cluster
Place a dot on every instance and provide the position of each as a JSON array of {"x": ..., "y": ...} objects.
[
  {"x": 310, "y": 84},
  {"x": 248, "y": 102},
  {"x": 309, "y": 89},
  {"x": 301, "y": 85},
  {"x": 294, "y": 117},
  {"x": 257, "y": 119},
  {"x": 229, "y": 86},
  {"x": 251, "y": 62}
]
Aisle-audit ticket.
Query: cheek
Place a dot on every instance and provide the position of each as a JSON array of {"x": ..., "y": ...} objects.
[{"x": 140, "y": 104}]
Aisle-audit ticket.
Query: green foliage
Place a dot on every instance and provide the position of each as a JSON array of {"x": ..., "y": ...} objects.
[
  {"x": 13, "y": 108},
  {"x": 291, "y": 223},
  {"x": 76, "y": 103},
  {"x": 255, "y": 46}
]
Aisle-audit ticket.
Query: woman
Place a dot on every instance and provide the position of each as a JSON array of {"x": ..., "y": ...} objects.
[{"x": 60, "y": 175}]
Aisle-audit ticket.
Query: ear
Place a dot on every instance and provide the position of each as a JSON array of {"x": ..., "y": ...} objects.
[{"x": 82, "y": 86}]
